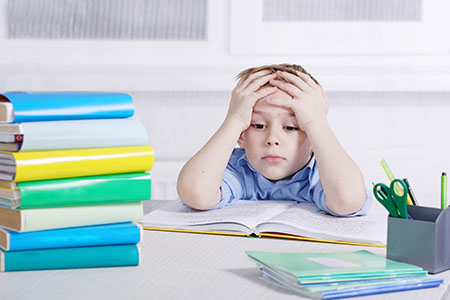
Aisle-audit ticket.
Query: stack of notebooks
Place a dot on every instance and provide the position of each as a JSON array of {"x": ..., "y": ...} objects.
[
  {"x": 73, "y": 175},
  {"x": 340, "y": 275}
]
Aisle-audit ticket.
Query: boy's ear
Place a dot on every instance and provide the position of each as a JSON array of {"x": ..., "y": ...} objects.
[{"x": 241, "y": 141}]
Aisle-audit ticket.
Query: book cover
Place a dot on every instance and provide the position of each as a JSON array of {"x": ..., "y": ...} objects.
[
  {"x": 78, "y": 191},
  {"x": 75, "y": 134},
  {"x": 19, "y": 107},
  {"x": 308, "y": 268},
  {"x": 96, "y": 235},
  {"x": 68, "y": 258},
  {"x": 42, "y": 165},
  {"x": 269, "y": 218},
  {"x": 25, "y": 220}
]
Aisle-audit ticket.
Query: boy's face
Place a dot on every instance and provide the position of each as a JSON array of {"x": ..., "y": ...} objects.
[{"x": 274, "y": 145}]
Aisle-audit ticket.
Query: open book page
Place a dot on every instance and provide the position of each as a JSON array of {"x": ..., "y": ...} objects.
[
  {"x": 305, "y": 219},
  {"x": 242, "y": 216}
]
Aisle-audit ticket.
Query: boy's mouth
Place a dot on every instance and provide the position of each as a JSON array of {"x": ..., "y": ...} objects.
[{"x": 273, "y": 158}]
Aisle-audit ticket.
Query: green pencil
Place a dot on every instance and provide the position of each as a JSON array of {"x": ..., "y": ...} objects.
[{"x": 444, "y": 190}]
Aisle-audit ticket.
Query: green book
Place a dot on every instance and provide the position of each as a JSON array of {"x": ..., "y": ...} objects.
[
  {"x": 311, "y": 268},
  {"x": 78, "y": 191},
  {"x": 68, "y": 258}
]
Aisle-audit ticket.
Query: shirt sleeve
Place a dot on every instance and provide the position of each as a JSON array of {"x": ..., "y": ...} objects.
[
  {"x": 231, "y": 189},
  {"x": 319, "y": 199}
]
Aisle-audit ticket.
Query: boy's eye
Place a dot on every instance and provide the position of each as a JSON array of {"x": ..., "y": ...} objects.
[
  {"x": 259, "y": 126},
  {"x": 289, "y": 128}
]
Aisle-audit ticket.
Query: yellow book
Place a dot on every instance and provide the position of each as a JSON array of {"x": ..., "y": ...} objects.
[{"x": 41, "y": 165}]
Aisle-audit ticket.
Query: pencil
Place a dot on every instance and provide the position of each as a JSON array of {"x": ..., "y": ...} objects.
[
  {"x": 397, "y": 187},
  {"x": 444, "y": 190},
  {"x": 410, "y": 192}
]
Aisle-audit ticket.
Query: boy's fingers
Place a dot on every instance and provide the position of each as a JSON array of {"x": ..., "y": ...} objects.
[
  {"x": 242, "y": 84},
  {"x": 259, "y": 82},
  {"x": 306, "y": 78},
  {"x": 289, "y": 88},
  {"x": 261, "y": 93},
  {"x": 296, "y": 80}
]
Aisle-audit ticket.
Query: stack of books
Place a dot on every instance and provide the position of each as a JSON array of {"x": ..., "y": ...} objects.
[
  {"x": 340, "y": 275},
  {"x": 73, "y": 175}
]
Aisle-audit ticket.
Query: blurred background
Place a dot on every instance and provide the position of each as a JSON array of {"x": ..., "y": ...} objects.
[{"x": 385, "y": 65}]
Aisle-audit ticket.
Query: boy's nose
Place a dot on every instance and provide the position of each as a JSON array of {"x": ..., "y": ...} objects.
[{"x": 272, "y": 141}]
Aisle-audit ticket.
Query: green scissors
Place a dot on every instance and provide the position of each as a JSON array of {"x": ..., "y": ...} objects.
[{"x": 393, "y": 202}]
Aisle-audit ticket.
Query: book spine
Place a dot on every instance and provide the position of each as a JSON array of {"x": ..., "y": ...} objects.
[
  {"x": 42, "y": 165},
  {"x": 68, "y": 258},
  {"x": 97, "y": 235},
  {"x": 78, "y": 191},
  {"x": 64, "y": 217},
  {"x": 83, "y": 134},
  {"x": 32, "y": 107}
]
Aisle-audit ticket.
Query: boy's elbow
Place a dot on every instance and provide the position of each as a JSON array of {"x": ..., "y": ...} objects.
[
  {"x": 196, "y": 197},
  {"x": 346, "y": 203}
]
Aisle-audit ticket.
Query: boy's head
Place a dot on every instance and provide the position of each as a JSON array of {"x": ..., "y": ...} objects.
[{"x": 274, "y": 144}]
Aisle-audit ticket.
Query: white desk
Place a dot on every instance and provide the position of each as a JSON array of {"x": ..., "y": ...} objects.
[{"x": 182, "y": 266}]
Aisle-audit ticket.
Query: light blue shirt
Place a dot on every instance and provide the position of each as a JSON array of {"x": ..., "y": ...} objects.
[{"x": 241, "y": 181}]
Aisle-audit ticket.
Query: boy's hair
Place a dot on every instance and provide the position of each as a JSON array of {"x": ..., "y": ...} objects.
[{"x": 280, "y": 67}]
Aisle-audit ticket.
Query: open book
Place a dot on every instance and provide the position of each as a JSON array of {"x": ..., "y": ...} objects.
[{"x": 282, "y": 219}]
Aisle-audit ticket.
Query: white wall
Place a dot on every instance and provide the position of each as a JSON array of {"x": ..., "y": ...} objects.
[{"x": 388, "y": 80}]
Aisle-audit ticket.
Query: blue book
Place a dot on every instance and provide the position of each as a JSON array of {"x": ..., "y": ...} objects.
[
  {"x": 70, "y": 258},
  {"x": 352, "y": 289},
  {"x": 16, "y": 107},
  {"x": 97, "y": 235}
]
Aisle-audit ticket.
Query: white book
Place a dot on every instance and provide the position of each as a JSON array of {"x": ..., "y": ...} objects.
[
  {"x": 282, "y": 219},
  {"x": 25, "y": 220},
  {"x": 73, "y": 134}
]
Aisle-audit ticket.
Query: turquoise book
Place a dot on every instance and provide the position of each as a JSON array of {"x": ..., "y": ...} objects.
[
  {"x": 70, "y": 258},
  {"x": 16, "y": 107},
  {"x": 340, "y": 275},
  {"x": 308, "y": 268},
  {"x": 97, "y": 235}
]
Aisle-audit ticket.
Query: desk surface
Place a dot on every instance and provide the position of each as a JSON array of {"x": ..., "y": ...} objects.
[{"x": 182, "y": 266}]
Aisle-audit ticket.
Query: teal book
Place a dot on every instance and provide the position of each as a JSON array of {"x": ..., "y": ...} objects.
[
  {"x": 308, "y": 268},
  {"x": 78, "y": 191},
  {"x": 340, "y": 275},
  {"x": 96, "y": 235},
  {"x": 70, "y": 258}
]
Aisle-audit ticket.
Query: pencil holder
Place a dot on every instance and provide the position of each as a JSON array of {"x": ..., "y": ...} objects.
[{"x": 423, "y": 240}]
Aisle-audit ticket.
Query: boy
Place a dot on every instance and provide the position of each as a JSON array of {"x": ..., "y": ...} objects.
[{"x": 277, "y": 115}]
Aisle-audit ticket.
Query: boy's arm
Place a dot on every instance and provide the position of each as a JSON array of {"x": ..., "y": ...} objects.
[
  {"x": 341, "y": 178},
  {"x": 200, "y": 179}
]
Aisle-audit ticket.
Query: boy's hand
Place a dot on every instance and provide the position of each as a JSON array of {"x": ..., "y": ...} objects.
[
  {"x": 245, "y": 95},
  {"x": 309, "y": 101}
]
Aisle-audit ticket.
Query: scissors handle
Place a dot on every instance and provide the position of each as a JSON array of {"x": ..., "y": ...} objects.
[
  {"x": 400, "y": 199},
  {"x": 383, "y": 195}
]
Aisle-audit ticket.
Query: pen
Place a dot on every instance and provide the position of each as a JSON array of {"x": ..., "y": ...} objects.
[
  {"x": 391, "y": 177},
  {"x": 410, "y": 192},
  {"x": 444, "y": 190}
]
